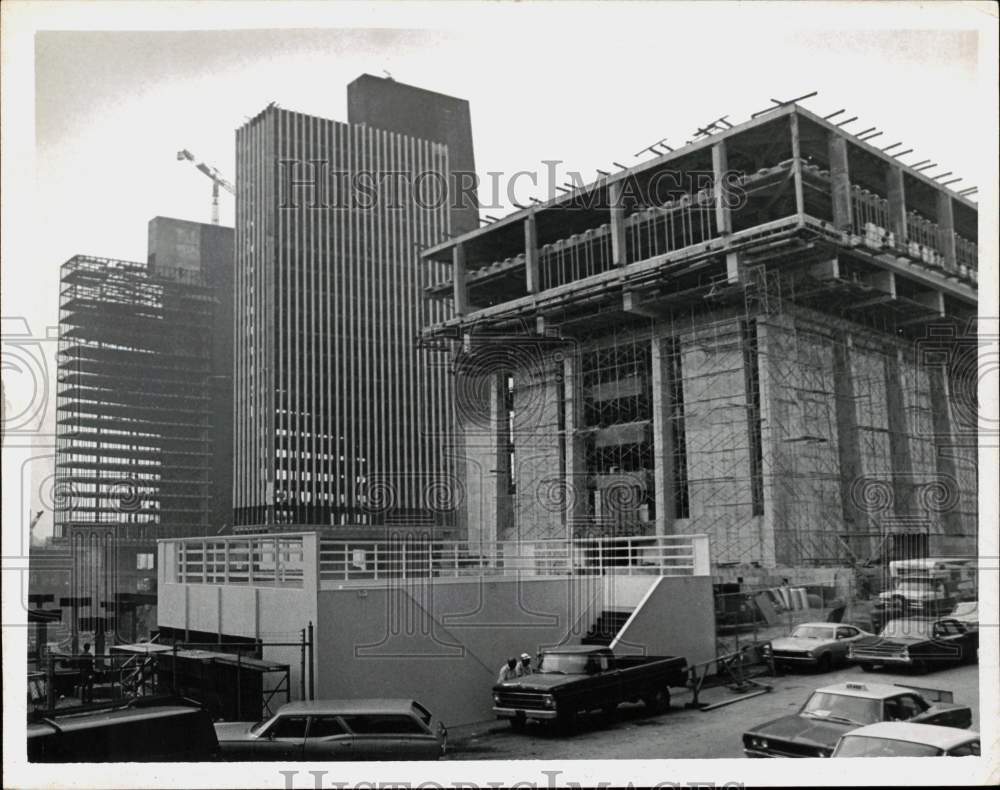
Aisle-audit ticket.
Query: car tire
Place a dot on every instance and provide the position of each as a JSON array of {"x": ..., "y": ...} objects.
[
  {"x": 921, "y": 667},
  {"x": 565, "y": 721},
  {"x": 866, "y": 667},
  {"x": 658, "y": 701},
  {"x": 825, "y": 663}
]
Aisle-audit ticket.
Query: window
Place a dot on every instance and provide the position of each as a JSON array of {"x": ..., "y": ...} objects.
[
  {"x": 383, "y": 724},
  {"x": 326, "y": 727},
  {"x": 846, "y": 633},
  {"x": 970, "y": 749},
  {"x": 144, "y": 561},
  {"x": 903, "y": 707},
  {"x": 288, "y": 727}
]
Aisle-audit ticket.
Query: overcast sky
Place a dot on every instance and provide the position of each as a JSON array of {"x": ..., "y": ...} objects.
[{"x": 582, "y": 84}]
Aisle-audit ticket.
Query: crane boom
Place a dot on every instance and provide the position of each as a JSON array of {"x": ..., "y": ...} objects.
[{"x": 217, "y": 181}]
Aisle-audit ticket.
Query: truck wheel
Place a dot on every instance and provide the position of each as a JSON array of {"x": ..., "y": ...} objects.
[
  {"x": 824, "y": 663},
  {"x": 658, "y": 701},
  {"x": 565, "y": 721}
]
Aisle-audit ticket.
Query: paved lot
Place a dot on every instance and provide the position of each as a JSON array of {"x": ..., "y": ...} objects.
[{"x": 687, "y": 733}]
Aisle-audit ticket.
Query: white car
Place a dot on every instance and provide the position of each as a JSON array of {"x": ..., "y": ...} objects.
[
  {"x": 816, "y": 645},
  {"x": 902, "y": 739}
]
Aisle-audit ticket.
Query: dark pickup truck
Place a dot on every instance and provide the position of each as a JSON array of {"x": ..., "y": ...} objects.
[{"x": 573, "y": 680}]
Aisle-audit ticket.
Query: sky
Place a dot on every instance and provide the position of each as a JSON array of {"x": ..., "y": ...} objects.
[{"x": 105, "y": 110}]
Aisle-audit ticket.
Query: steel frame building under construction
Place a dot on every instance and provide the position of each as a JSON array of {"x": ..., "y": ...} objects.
[
  {"x": 766, "y": 336},
  {"x": 144, "y": 411}
]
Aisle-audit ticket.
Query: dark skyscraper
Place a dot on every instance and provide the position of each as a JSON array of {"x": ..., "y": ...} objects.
[{"x": 340, "y": 415}]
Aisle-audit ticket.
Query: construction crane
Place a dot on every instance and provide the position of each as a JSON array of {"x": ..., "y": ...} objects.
[{"x": 217, "y": 181}]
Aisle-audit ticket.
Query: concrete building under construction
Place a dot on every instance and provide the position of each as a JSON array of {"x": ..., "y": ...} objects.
[
  {"x": 144, "y": 415},
  {"x": 766, "y": 336}
]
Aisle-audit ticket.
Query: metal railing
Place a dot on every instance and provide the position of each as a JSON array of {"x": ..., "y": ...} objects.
[{"x": 302, "y": 559}]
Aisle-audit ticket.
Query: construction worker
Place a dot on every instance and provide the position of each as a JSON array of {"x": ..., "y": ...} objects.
[
  {"x": 508, "y": 671},
  {"x": 524, "y": 668}
]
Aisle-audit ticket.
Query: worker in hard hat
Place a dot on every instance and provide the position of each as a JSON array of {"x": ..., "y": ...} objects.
[{"x": 524, "y": 667}]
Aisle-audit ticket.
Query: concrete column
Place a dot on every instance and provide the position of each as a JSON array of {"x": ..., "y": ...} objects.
[
  {"x": 800, "y": 203},
  {"x": 663, "y": 439},
  {"x": 946, "y": 229},
  {"x": 896, "y": 195},
  {"x": 856, "y": 520},
  {"x": 575, "y": 445},
  {"x": 458, "y": 280},
  {"x": 483, "y": 462},
  {"x": 945, "y": 442},
  {"x": 618, "y": 244},
  {"x": 899, "y": 434},
  {"x": 531, "y": 254},
  {"x": 840, "y": 182},
  {"x": 720, "y": 164}
]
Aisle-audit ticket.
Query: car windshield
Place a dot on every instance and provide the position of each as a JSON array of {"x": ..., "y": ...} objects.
[
  {"x": 565, "y": 663},
  {"x": 812, "y": 632},
  {"x": 842, "y": 707},
  {"x": 911, "y": 629},
  {"x": 259, "y": 726},
  {"x": 917, "y": 586},
  {"x": 865, "y": 746},
  {"x": 965, "y": 609}
]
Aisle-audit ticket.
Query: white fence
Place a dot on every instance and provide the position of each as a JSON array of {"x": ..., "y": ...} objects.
[{"x": 298, "y": 559}]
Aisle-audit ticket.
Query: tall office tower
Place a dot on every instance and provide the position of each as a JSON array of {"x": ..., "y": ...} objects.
[
  {"x": 144, "y": 426},
  {"x": 340, "y": 415}
]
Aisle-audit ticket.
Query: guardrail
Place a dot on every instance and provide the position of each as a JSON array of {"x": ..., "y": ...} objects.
[{"x": 303, "y": 559}]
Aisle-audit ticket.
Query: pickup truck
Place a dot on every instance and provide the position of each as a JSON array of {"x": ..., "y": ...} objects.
[{"x": 578, "y": 679}]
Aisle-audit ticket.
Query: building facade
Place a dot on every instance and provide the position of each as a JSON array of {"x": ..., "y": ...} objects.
[
  {"x": 340, "y": 416},
  {"x": 766, "y": 336},
  {"x": 144, "y": 426}
]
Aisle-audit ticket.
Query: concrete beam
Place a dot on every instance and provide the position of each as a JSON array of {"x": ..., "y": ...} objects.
[
  {"x": 881, "y": 280},
  {"x": 840, "y": 182},
  {"x": 946, "y": 230},
  {"x": 531, "y": 254},
  {"x": 732, "y": 267},
  {"x": 618, "y": 244},
  {"x": 896, "y": 196},
  {"x": 932, "y": 299},
  {"x": 461, "y": 289},
  {"x": 720, "y": 164},
  {"x": 632, "y": 303},
  {"x": 825, "y": 270}
]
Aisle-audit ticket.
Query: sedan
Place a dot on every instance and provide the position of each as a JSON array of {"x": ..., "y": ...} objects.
[
  {"x": 379, "y": 729},
  {"x": 917, "y": 643},
  {"x": 903, "y": 739},
  {"x": 818, "y": 646}
]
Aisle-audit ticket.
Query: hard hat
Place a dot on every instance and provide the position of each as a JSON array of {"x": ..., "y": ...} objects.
[{"x": 525, "y": 656}]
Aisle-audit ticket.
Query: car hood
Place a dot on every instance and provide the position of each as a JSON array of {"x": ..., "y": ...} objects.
[
  {"x": 797, "y": 643},
  {"x": 912, "y": 595},
  {"x": 889, "y": 641},
  {"x": 539, "y": 682},
  {"x": 234, "y": 730},
  {"x": 802, "y": 729}
]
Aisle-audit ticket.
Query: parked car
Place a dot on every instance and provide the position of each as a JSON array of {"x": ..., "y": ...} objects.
[
  {"x": 362, "y": 729},
  {"x": 833, "y": 711},
  {"x": 815, "y": 646},
  {"x": 148, "y": 730},
  {"x": 903, "y": 739},
  {"x": 967, "y": 613},
  {"x": 917, "y": 643},
  {"x": 578, "y": 679}
]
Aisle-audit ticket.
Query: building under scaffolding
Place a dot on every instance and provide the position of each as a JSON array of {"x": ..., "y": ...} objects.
[
  {"x": 766, "y": 336},
  {"x": 144, "y": 426}
]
